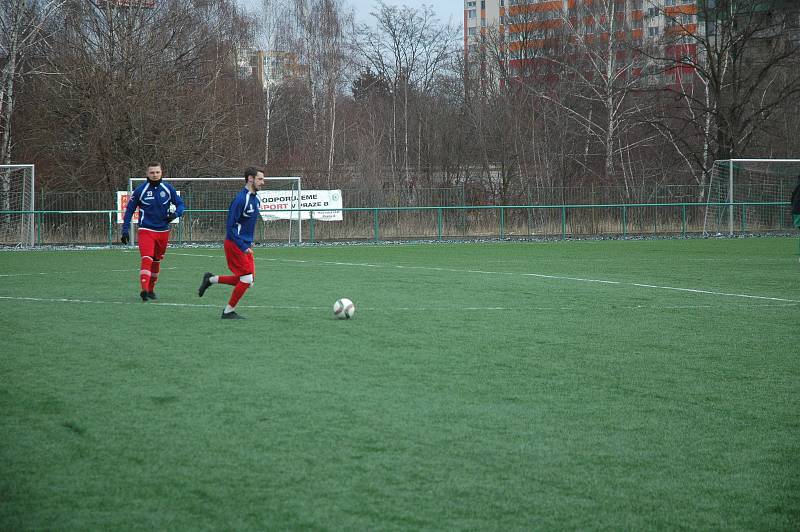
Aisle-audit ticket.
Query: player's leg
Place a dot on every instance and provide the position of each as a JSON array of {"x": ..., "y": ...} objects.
[
  {"x": 244, "y": 282},
  {"x": 209, "y": 278},
  {"x": 243, "y": 267},
  {"x": 147, "y": 252},
  {"x": 161, "y": 241},
  {"x": 234, "y": 256}
]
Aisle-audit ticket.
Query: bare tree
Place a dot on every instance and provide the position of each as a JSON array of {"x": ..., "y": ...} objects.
[
  {"x": 735, "y": 67},
  {"x": 409, "y": 47},
  {"x": 22, "y": 32},
  {"x": 599, "y": 80},
  {"x": 143, "y": 81}
]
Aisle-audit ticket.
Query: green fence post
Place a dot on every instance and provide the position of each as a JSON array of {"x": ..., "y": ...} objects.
[
  {"x": 39, "y": 229},
  {"x": 375, "y": 224},
  {"x": 311, "y": 228},
  {"x": 624, "y": 222},
  {"x": 110, "y": 229},
  {"x": 683, "y": 220},
  {"x": 439, "y": 223},
  {"x": 563, "y": 222},
  {"x": 502, "y": 222}
]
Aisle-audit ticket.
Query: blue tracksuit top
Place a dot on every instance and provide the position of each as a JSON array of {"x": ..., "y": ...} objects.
[
  {"x": 153, "y": 202},
  {"x": 242, "y": 217}
]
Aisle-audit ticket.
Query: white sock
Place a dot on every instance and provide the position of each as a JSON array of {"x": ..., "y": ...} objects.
[
  {"x": 214, "y": 279},
  {"x": 228, "y": 309}
]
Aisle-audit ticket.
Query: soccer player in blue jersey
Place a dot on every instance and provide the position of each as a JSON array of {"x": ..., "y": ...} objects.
[
  {"x": 158, "y": 203},
  {"x": 239, "y": 233}
]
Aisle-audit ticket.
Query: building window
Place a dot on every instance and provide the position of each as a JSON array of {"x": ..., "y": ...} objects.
[
  {"x": 652, "y": 11},
  {"x": 652, "y": 31},
  {"x": 471, "y": 13},
  {"x": 470, "y": 4},
  {"x": 472, "y": 31}
]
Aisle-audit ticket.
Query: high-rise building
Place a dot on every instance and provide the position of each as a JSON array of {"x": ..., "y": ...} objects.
[
  {"x": 529, "y": 36},
  {"x": 271, "y": 67}
]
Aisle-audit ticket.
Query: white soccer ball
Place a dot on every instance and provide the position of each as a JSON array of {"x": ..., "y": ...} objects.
[{"x": 344, "y": 309}]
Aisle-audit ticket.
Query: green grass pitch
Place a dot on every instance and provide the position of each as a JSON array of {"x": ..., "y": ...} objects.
[{"x": 621, "y": 385}]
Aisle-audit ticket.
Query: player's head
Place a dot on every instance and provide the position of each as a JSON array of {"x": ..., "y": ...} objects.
[
  {"x": 254, "y": 177},
  {"x": 154, "y": 171}
]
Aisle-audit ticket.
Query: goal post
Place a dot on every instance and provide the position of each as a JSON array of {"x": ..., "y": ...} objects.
[
  {"x": 735, "y": 181},
  {"x": 17, "y": 203},
  {"x": 216, "y": 193}
]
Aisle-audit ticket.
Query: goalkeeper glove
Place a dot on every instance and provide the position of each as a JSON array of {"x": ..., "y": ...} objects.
[
  {"x": 124, "y": 239},
  {"x": 170, "y": 217}
]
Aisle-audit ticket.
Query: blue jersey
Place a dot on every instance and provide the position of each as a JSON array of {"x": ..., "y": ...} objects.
[
  {"x": 242, "y": 217},
  {"x": 154, "y": 203}
]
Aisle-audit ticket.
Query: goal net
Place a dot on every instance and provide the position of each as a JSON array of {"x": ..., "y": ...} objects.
[
  {"x": 17, "y": 204},
  {"x": 207, "y": 199},
  {"x": 746, "y": 195}
]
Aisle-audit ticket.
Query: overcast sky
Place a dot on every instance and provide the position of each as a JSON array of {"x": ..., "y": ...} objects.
[{"x": 447, "y": 10}]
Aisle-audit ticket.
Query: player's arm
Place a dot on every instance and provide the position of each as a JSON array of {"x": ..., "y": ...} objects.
[
  {"x": 133, "y": 203},
  {"x": 177, "y": 201},
  {"x": 235, "y": 214}
]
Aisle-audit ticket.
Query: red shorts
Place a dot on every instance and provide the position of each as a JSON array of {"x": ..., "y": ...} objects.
[
  {"x": 153, "y": 243},
  {"x": 239, "y": 262}
]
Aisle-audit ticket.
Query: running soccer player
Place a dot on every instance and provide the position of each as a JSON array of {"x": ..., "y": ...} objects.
[
  {"x": 158, "y": 203},
  {"x": 239, "y": 233}
]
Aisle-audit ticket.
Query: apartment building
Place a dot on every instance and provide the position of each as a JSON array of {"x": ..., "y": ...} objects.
[{"x": 530, "y": 34}]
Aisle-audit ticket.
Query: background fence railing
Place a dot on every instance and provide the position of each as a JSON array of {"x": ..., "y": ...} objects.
[{"x": 100, "y": 227}]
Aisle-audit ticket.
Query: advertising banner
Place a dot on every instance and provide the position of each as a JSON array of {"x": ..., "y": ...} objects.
[{"x": 283, "y": 205}]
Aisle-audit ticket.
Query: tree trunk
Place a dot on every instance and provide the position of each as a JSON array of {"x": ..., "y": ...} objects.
[
  {"x": 267, "y": 113},
  {"x": 332, "y": 148}
]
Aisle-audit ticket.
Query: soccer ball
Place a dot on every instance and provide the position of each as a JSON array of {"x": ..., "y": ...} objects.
[{"x": 344, "y": 309}]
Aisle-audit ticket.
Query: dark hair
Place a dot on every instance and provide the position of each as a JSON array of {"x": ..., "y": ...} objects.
[
  {"x": 251, "y": 171},
  {"x": 154, "y": 163}
]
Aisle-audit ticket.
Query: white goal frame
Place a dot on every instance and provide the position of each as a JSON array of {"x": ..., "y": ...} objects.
[
  {"x": 731, "y": 184},
  {"x": 27, "y": 225},
  {"x": 296, "y": 179}
]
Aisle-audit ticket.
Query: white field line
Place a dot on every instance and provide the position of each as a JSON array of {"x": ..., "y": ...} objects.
[
  {"x": 152, "y": 303},
  {"x": 482, "y": 272},
  {"x": 375, "y": 309},
  {"x": 555, "y": 277},
  {"x": 93, "y": 272}
]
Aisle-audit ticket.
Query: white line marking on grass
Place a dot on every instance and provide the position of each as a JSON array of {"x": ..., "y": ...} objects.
[
  {"x": 195, "y": 255},
  {"x": 559, "y": 278},
  {"x": 93, "y": 272},
  {"x": 151, "y": 303},
  {"x": 383, "y": 308}
]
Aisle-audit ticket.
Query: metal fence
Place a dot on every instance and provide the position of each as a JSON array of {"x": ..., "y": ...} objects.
[{"x": 463, "y": 222}]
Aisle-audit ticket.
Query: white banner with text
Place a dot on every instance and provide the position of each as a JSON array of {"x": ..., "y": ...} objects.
[{"x": 284, "y": 205}]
